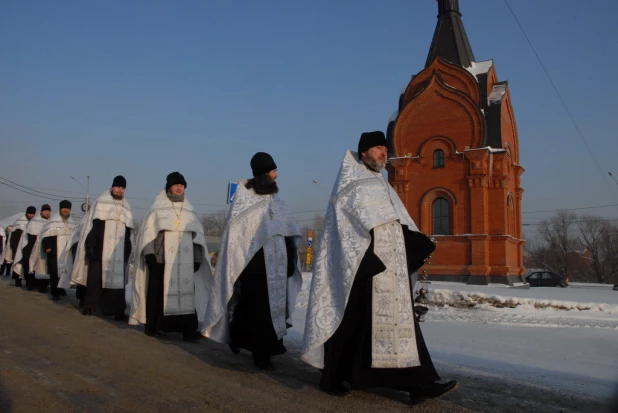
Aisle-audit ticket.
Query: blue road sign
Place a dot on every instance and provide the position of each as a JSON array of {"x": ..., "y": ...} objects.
[
  {"x": 231, "y": 190},
  {"x": 309, "y": 242}
]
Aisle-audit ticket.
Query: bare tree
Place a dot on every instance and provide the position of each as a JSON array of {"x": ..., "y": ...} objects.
[
  {"x": 582, "y": 248},
  {"x": 214, "y": 224},
  {"x": 555, "y": 232},
  {"x": 591, "y": 231},
  {"x": 609, "y": 253}
]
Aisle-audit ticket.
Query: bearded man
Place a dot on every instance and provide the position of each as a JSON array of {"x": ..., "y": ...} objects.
[
  {"x": 103, "y": 253},
  {"x": 54, "y": 238},
  {"x": 257, "y": 276},
  {"x": 170, "y": 268},
  {"x": 360, "y": 325}
]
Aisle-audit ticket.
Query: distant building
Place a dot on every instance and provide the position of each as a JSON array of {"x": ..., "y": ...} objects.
[{"x": 455, "y": 160}]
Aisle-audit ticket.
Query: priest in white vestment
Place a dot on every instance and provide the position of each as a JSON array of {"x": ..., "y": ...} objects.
[
  {"x": 360, "y": 325},
  {"x": 54, "y": 238},
  {"x": 18, "y": 228},
  {"x": 24, "y": 251},
  {"x": 257, "y": 275},
  {"x": 170, "y": 270},
  {"x": 6, "y": 226},
  {"x": 103, "y": 252}
]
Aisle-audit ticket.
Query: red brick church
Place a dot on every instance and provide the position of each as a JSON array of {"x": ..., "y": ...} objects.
[{"x": 455, "y": 160}]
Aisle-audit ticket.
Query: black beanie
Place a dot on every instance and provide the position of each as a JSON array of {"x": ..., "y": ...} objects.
[
  {"x": 45, "y": 207},
  {"x": 262, "y": 163},
  {"x": 370, "y": 139},
  {"x": 120, "y": 181},
  {"x": 65, "y": 204},
  {"x": 175, "y": 178},
  {"x": 31, "y": 210}
]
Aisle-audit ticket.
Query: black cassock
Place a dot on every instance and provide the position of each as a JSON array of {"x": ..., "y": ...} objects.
[
  {"x": 251, "y": 327},
  {"x": 13, "y": 243},
  {"x": 155, "y": 319},
  {"x": 347, "y": 354},
  {"x": 31, "y": 282},
  {"x": 51, "y": 243},
  {"x": 103, "y": 301},
  {"x": 14, "y": 237}
]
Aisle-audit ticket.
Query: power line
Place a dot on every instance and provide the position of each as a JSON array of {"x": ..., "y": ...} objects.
[
  {"x": 56, "y": 190},
  {"x": 34, "y": 190},
  {"x": 33, "y": 194},
  {"x": 570, "y": 209},
  {"x": 579, "y": 132},
  {"x": 533, "y": 224}
]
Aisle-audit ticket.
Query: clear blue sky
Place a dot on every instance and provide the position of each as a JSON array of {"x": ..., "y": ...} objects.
[{"x": 143, "y": 88}]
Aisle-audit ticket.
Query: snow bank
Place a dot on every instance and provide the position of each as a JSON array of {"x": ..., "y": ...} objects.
[{"x": 473, "y": 299}]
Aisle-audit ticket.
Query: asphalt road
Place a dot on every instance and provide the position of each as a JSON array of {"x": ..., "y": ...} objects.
[{"x": 53, "y": 359}]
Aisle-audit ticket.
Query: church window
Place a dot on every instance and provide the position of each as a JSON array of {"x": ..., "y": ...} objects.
[
  {"x": 438, "y": 158},
  {"x": 510, "y": 210},
  {"x": 441, "y": 217}
]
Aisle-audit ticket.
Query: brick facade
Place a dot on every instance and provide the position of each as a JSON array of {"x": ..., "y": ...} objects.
[{"x": 465, "y": 113}]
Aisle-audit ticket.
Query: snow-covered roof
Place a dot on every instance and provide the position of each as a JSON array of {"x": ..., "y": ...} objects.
[
  {"x": 497, "y": 93},
  {"x": 478, "y": 68},
  {"x": 486, "y": 148},
  {"x": 403, "y": 157}
]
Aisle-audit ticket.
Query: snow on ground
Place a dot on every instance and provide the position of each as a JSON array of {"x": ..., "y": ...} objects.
[
  {"x": 579, "y": 297},
  {"x": 560, "y": 338}
]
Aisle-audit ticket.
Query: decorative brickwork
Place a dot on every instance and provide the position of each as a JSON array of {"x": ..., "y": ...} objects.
[{"x": 466, "y": 113}]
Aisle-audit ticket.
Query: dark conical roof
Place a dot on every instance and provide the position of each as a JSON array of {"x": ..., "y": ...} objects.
[{"x": 450, "y": 41}]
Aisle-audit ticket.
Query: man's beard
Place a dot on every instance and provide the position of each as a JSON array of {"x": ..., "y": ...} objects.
[
  {"x": 375, "y": 165},
  {"x": 117, "y": 197},
  {"x": 65, "y": 216},
  {"x": 267, "y": 188},
  {"x": 263, "y": 185}
]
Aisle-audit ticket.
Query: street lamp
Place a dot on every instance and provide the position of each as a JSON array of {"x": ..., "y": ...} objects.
[
  {"x": 320, "y": 185},
  {"x": 85, "y": 189},
  {"x": 613, "y": 177}
]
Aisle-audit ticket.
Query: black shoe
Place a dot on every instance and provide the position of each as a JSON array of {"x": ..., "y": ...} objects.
[
  {"x": 86, "y": 311},
  {"x": 152, "y": 333},
  {"x": 337, "y": 390},
  {"x": 80, "y": 303},
  {"x": 265, "y": 365},
  {"x": 121, "y": 317},
  {"x": 55, "y": 298},
  {"x": 61, "y": 291},
  {"x": 191, "y": 337},
  {"x": 235, "y": 349},
  {"x": 18, "y": 283},
  {"x": 433, "y": 390}
]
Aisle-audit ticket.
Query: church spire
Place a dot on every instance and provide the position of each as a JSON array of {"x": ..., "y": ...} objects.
[{"x": 450, "y": 41}]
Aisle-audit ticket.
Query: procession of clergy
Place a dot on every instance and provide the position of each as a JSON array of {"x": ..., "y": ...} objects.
[{"x": 361, "y": 328}]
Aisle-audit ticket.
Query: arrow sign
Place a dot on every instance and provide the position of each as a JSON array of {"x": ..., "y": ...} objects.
[{"x": 231, "y": 190}]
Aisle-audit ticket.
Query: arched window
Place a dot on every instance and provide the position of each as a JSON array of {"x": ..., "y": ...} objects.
[
  {"x": 510, "y": 210},
  {"x": 438, "y": 158},
  {"x": 441, "y": 217}
]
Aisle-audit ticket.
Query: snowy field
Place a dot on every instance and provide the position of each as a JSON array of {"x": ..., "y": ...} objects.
[{"x": 563, "y": 339}]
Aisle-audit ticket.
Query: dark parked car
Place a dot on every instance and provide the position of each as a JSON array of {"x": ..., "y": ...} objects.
[
  {"x": 615, "y": 287},
  {"x": 547, "y": 279}
]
